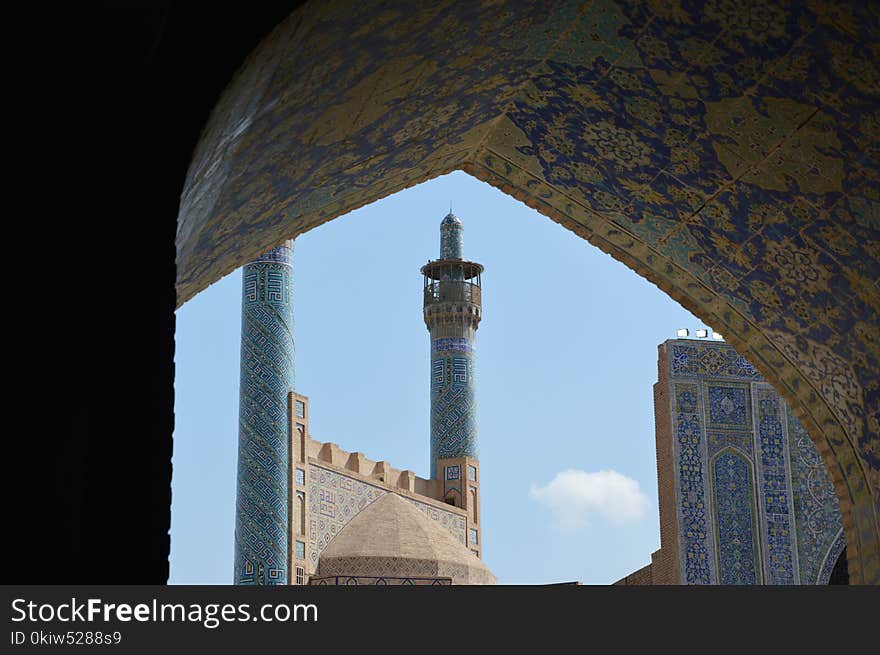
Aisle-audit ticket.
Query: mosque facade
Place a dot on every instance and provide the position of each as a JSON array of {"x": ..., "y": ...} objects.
[
  {"x": 332, "y": 517},
  {"x": 744, "y": 497}
]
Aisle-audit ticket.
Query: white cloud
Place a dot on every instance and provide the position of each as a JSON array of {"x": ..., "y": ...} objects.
[{"x": 574, "y": 496}]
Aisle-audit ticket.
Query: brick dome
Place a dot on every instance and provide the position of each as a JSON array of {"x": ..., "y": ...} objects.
[{"x": 392, "y": 538}]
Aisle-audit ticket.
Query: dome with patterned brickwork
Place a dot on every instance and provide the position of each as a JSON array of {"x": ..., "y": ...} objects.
[{"x": 393, "y": 539}]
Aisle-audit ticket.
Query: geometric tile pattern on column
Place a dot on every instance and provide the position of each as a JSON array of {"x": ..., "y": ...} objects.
[{"x": 267, "y": 376}]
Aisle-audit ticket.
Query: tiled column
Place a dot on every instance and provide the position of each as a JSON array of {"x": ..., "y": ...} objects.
[
  {"x": 452, "y": 312},
  {"x": 267, "y": 376}
]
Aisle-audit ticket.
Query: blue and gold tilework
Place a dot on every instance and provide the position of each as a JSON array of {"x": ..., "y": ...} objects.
[
  {"x": 733, "y": 499},
  {"x": 727, "y": 151},
  {"x": 754, "y": 502}
]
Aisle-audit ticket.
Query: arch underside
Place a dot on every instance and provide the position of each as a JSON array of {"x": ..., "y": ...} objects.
[{"x": 728, "y": 154}]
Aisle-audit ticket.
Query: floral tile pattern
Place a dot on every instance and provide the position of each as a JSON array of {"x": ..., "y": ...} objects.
[
  {"x": 725, "y": 150},
  {"x": 754, "y": 502}
]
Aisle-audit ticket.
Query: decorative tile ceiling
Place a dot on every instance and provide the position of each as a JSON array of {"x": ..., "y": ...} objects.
[{"x": 728, "y": 151}]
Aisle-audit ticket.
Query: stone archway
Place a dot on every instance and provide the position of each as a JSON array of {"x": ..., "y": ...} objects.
[{"x": 727, "y": 154}]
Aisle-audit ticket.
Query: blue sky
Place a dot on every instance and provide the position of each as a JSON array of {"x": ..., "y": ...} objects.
[{"x": 566, "y": 360}]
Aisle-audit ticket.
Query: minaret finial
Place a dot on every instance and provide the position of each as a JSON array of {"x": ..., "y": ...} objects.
[{"x": 450, "y": 236}]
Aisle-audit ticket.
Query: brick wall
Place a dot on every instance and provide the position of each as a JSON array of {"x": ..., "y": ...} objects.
[
  {"x": 641, "y": 577},
  {"x": 664, "y": 566},
  {"x": 665, "y": 562}
]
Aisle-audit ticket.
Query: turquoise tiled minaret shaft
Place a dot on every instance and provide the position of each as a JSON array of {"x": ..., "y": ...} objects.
[
  {"x": 261, "y": 510},
  {"x": 452, "y": 311}
]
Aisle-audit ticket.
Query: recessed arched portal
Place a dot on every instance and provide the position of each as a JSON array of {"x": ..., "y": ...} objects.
[{"x": 727, "y": 154}]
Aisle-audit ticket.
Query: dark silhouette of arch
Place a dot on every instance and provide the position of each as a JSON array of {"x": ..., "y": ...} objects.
[{"x": 136, "y": 68}]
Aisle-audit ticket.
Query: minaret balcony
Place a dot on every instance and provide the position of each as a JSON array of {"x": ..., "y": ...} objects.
[{"x": 437, "y": 291}]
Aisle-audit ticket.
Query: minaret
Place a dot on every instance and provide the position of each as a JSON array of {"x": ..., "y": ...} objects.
[
  {"x": 261, "y": 509},
  {"x": 452, "y": 311}
]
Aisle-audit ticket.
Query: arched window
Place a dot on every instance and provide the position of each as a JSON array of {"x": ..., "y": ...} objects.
[{"x": 300, "y": 513}]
